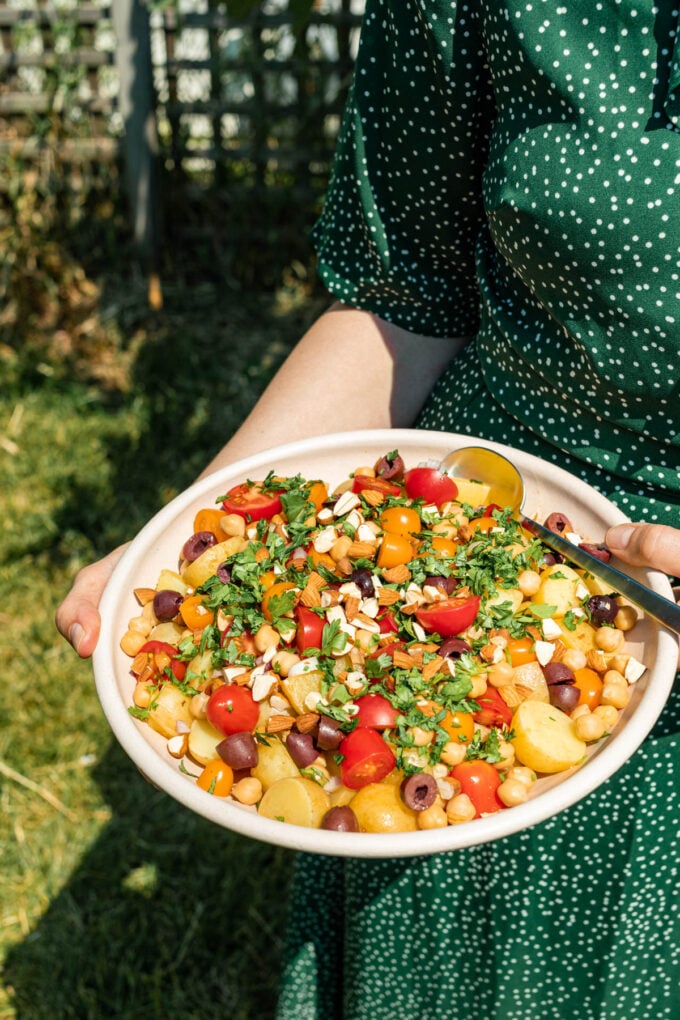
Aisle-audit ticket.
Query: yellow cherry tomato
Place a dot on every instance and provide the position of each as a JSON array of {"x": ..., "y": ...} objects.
[
  {"x": 274, "y": 592},
  {"x": 195, "y": 614},
  {"x": 216, "y": 778},
  {"x": 394, "y": 550},
  {"x": 400, "y": 520}
]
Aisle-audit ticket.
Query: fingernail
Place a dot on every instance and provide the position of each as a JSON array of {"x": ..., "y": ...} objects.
[
  {"x": 619, "y": 536},
  {"x": 76, "y": 635}
]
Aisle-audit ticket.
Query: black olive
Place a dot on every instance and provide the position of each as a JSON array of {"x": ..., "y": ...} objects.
[
  {"x": 340, "y": 819},
  {"x": 419, "y": 791}
]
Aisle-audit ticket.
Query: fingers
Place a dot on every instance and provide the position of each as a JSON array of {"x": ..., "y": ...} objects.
[
  {"x": 77, "y": 618},
  {"x": 649, "y": 545}
]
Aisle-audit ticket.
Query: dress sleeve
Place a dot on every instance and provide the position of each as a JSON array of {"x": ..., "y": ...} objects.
[{"x": 398, "y": 230}]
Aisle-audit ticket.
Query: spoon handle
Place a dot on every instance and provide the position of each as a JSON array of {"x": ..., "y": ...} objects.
[{"x": 655, "y": 605}]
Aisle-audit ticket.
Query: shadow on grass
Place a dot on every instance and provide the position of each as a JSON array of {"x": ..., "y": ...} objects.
[{"x": 166, "y": 916}]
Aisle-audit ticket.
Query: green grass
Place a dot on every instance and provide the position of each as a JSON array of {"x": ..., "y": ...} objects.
[{"x": 114, "y": 900}]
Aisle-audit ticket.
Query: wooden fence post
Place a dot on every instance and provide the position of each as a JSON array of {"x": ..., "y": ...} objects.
[{"x": 137, "y": 106}]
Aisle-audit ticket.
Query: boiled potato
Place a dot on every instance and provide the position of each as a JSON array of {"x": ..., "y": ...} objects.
[
  {"x": 168, "y": 632},
  {"x": 273, "y": 763},
  {"x": 167, "y": 708},
  {"x": 203, "y": 741},
  {"x": 169, "y": 580},
  {"x": 581, "y": 637},
  {"x": 205, "y": 565},
  {"x": 558, "y": 588},
  {"x": 513, "y": 595},
  {"x": 297, "y": 687},
  {"x": 295, "y": 800},
  {"x": 379, "y": 807},
  {"x": 544, "y": 738},
  {"x": 341, "y": 796}
]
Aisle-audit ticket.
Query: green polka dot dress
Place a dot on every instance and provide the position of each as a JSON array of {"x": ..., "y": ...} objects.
[{"x": 510, "y": 171}]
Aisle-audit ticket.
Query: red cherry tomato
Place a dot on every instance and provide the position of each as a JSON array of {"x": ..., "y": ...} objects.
[
  {"x": 163, "y": 648},
  {"x": 450, "y": 616},
  {"x": 430, "y": 484},
  {"x": 361, "y": 482},
  {"x": 251, "y": 502},
  {"x": 489, "y": 509},
  {"x": 387, "y": 623},
  {"x": 480, "y": 781},
  {"x": 493, "y": 711},
  {"x": 366, "y": 758},
  {"x": 375, "y": 712},
  {"x": 309, "y": 629},
  {"x": 232, "y": 709}
]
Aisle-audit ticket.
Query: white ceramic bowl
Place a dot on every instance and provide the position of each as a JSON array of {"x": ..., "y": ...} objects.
[{"x": 331, "y": 458}]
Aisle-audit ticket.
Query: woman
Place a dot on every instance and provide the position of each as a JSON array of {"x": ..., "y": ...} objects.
[{"x": 501, "y": 234}]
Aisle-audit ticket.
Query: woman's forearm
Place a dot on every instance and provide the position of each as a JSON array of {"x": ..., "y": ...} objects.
[{"x": 350, "y": 371}]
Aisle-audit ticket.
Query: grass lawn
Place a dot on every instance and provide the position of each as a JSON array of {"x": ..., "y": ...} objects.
[{"x": 114, "y": 900}]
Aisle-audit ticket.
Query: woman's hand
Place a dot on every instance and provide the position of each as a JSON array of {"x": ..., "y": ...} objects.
[
  {"x": 646, "y": 545},
  {"x": 77, "y": 617}
]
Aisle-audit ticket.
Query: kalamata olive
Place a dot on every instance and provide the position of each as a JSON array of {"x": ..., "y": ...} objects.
[
  {"x": 239, "y": 750},
  {"x": 340, "y": 819},
  {"x": 166, "y": 604},
  {"x": 454, "y": 647},
  {"x": 197, "y": 544},
  {"x": 364, "y": 581},
  {"x": 328, "y": 735},
  {"x": 300, "y": 747},
  {"x": 559, "y": 523},
  {"x": 445, "y": 584},
  {"x": 550, "y": 559},
  {"x": 600, "y": 552},
  {"x": 419, "y": 791},
  {"x": 224, "y": 573},
  {"x": 558, "y": 673},
  {"x": 602, "y": 608},
  {"x": 564, "y": 696},
  {"x": 391, "y": 470}
]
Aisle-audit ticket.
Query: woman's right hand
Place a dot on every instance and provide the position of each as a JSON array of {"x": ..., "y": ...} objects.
[
  {"x": 77, "y": 618},
  {"x": 646, "y": 545}
]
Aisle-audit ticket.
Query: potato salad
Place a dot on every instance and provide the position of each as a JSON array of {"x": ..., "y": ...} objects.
[{"x": 394, "y": 655}]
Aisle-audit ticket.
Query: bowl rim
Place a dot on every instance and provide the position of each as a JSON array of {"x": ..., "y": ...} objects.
[{"x": 165, "y": 774}]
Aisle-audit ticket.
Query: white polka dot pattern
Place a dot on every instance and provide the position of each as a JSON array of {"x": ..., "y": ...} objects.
[{"x": 512, "y": 170}]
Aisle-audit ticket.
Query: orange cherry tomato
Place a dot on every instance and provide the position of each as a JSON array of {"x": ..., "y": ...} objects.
[
  {"x": 394, "y": 550},
  {"x": 400, "y": 520},
  {"x": 195, "y": 614},
  {"x": 267, "y": 579},
  {"x": 318, "y": 494},
  {"x": 209, "y": 520},
  {"x": 521, "y": 651},
  {"x": 275, "y": 592},
  {"x": 216, "y": 778},
  {"x": 590, "y": 685},
  {"x": 443, "y": 548},
  {"x": 321, "y": 559},
  {"x": 460, "y": 726},
  {"x": 483, "y": 524}
]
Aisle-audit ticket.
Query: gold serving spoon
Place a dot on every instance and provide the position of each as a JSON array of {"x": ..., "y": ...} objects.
[{"x": 507, "y": 489}]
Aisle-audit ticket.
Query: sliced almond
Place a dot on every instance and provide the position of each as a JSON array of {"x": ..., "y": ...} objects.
[
  {"x": 388, "y": 596},
  {"x": 373, "y": 497},
  {"x": 402, "y": 660},
  {"x": 279, "y": 723},
  {"x": 361, "y": 550},
  {"x": 397, "y": 575},
  {"x": 306, "y": 722},
  {"x": 431, "y": 668},
  {"x": 351, "y": 605},
  {"x": 510, "y": 695},
  {"x": 144, "y": 595},
  {"x": 310, "y": 597}
]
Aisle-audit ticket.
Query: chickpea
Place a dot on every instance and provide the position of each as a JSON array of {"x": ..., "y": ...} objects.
[
  {"x": 609, "y": 639},
  {"x": 613, "y": 676},
  {"x": 579, "y": 711},
  {"x": 140, "y": 625},
  {"x": 366, "y": 640},
  {"x": 522, "y": 774},
  {"x": 421, "y": 737},
  {"x": 446, "y": 528},
  {"x": 265, "y": 637},
  {"x": 247, "y": 790},
  {"x": 284, "y": 661},
  {"x": 507, "y": 753},
  {"x": 233, "y": 525},
  {"x": 339, "y": 548},
  {"x": 132, "y": 641},
  {"x": 479, "y": 686},
  {"x": 589, "y": 727},
  {"x": 197, "y": 706},
  {"x": 528, "y": 582},
  {"x": 626, "y": 618},
  {"x": 433, "y": 817},
  {"x": 513, "y": 792},
  {"x": 142, "y": 696},
  {"x": 619, "y": 663},
  {"x": 369, "y": 472},
  {"x": 460, "y": 809},
  {"x": 617, "y": 695},
  {"x": 500, "y": 674},
  {"x": 609, "y": 716},
  {"x": 453, "y": 753},
  {"x": 574, "y": 658}
]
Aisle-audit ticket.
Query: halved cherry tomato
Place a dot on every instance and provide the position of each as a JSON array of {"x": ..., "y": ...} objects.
[
  {"x": 460, "y": 726},
  {"x": 366, "y": 758},
  {"x": 217, "y": 778},
  {"x": 480, "y": 781},
  {"x": 521, "y": 651},
  {"x": 232, "y": 709},
  {"x": 450, "y": 616},
  {"x": 272, "y": 593},
  {"x": 194, "y": 613},
  {"x": 431, "y": 485},
  {"x": 159, "y": 651},
  {"x": 318, "y": 494},
  {"x": 375, "y": 712},
  {"x": 483, "y": 524},
  {"x": 387, "y": 622},
  {"x": 394, "y": 550},
  {"x": 361, "y": 482},
  {"x": 590, "y": 685},
  {"x": 400, "y": 520},
  {"x": 209, "y": 519},
  {"x": 251, "y": 502},
  {"x": 309, "y": 629},
  {"x": 489, "y": 509},
  {"x": 493, "y": 710}
]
